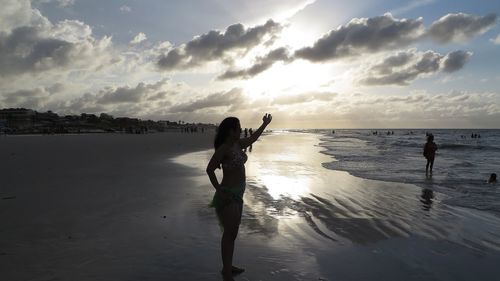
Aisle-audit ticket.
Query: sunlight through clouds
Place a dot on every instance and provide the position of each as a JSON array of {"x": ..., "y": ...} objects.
[{"x": 266, "y": 56}]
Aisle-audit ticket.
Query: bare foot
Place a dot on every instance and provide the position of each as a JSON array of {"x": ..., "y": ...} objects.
[
  {"x": 227, "y": 277},
  {"x": 236, "y": 270}
]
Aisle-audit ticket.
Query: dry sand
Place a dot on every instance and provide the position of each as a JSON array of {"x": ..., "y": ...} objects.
[
  {"x": 94, "y": 207},
  {"x": 134, "y": 207}
]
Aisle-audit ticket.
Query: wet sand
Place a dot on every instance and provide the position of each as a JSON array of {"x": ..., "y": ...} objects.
[
  {"x": 127, "y": 207},
  {"x": 302, "y": 221}
]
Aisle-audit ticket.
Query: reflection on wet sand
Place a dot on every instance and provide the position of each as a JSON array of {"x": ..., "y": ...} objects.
[
  {"x": 427, "y": 196},
  {"x": 339, "y": 207},
  {"x": 289, "y": 193}
]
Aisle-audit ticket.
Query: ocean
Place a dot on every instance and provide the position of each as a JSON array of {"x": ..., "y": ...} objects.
[{"x": 461, "y": 169}]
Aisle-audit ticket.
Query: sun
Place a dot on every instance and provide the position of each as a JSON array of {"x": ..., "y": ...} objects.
[{"x": 292, "y": 78}]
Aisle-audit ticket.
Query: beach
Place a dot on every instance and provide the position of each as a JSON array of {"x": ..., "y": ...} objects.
[{"x": 135, "y": 207}]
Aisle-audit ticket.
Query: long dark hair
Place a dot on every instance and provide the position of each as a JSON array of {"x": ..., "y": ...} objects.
[{"x": 225, "y": 127}]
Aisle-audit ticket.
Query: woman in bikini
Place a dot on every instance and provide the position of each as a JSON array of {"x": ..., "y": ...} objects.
[{"x": 228, "y": 198}]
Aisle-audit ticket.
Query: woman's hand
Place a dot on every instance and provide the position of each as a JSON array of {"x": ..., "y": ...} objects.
[{"x": 267, "y": 119}]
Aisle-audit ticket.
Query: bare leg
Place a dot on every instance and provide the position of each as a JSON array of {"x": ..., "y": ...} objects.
[{"x": 231, "y": 220}]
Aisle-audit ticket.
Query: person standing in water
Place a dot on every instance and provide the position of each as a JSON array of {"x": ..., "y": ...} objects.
[
  {"x": 228, "y": 198},
  {"x": 430, "y": 152},
  {"x": 493, "y": 178}
]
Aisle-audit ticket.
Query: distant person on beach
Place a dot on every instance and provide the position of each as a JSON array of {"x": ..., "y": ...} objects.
[
  {"x": 228, "y": 198},
  {"x": 246, "y": 136},
  {"x": 493, "y": 178},
  {"x": 430, "y": 152},
  {"x": 250, "y": 131}
]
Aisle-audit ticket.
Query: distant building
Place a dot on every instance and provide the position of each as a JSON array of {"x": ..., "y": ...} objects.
[
  {"x": 48, "y": 117},
  {"x": 27, "y": 121},
  {"x": 18, "y": 118}
]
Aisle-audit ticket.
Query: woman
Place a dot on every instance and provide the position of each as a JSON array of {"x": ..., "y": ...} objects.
[{"x": 228, "y": 198}]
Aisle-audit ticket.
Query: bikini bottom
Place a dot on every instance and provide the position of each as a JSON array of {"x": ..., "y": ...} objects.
[{"x": 226, "y": 196}]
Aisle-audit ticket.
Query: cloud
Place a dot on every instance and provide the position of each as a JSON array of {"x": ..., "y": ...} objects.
[
  {"x": 231, "y": 98},
  {"x": 105, "y": 99},
  {"x": 125, "y": 9},
  {"x": 406, "y": 66},
  {"x": 397, "y": 60},
  {"x": 496, "y": 40},
  {"x": 363, "y": 35},
  {"x": 261, "y": 64},
  {"x": 303, "y": 98},
  {"x": 34, "y": 98},
  {"x": 138, "y": 38},
  {"x": 459, "y": 27},
  {"x": 455, "y": 60},
  {"x": 16, "y": 13},
  {"x": 216, "y": 45},
  {"x": 367, "y": 35},
  {"x": 30, "y": 43},
  {"x": 126, "y": 94},
  {"x": 456, "y": 109},
  {"x": 34, "y": 49}
]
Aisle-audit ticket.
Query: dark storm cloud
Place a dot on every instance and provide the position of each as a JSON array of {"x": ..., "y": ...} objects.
[
  {"x": 459, "y": 27},
  {"x": 26, "y": 50},
  {"x": 261, "y": 64},
  {"x": 216, "y": 44},
  {"x": 404, "y": 67},
  {"x": 363, "y": 35},
  {"x": 233, "y": 98}
]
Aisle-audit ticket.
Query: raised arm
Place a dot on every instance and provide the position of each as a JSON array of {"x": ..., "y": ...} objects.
[
  {"x": 214, "y": 163},
  {"x": 245, "y": 142}
]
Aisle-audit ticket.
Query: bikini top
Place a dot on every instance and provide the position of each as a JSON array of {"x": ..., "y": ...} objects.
[{"x": 235, "y": 159}]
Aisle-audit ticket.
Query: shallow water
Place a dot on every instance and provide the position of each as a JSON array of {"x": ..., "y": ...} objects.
[
  {"x": 461, "y": 169},
  {"x": 298, "y": 206}
]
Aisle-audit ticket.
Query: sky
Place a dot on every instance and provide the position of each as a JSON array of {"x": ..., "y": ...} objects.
[{"x": 312, "y": 64}]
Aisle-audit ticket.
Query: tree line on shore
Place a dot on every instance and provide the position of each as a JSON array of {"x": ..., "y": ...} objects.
[{"x": 29, "y": 121}]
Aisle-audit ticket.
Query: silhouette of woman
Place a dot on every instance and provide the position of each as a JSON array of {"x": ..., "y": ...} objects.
[
  {"x": 430, "y": 152},
  {"x": 228, "y": 198}
]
